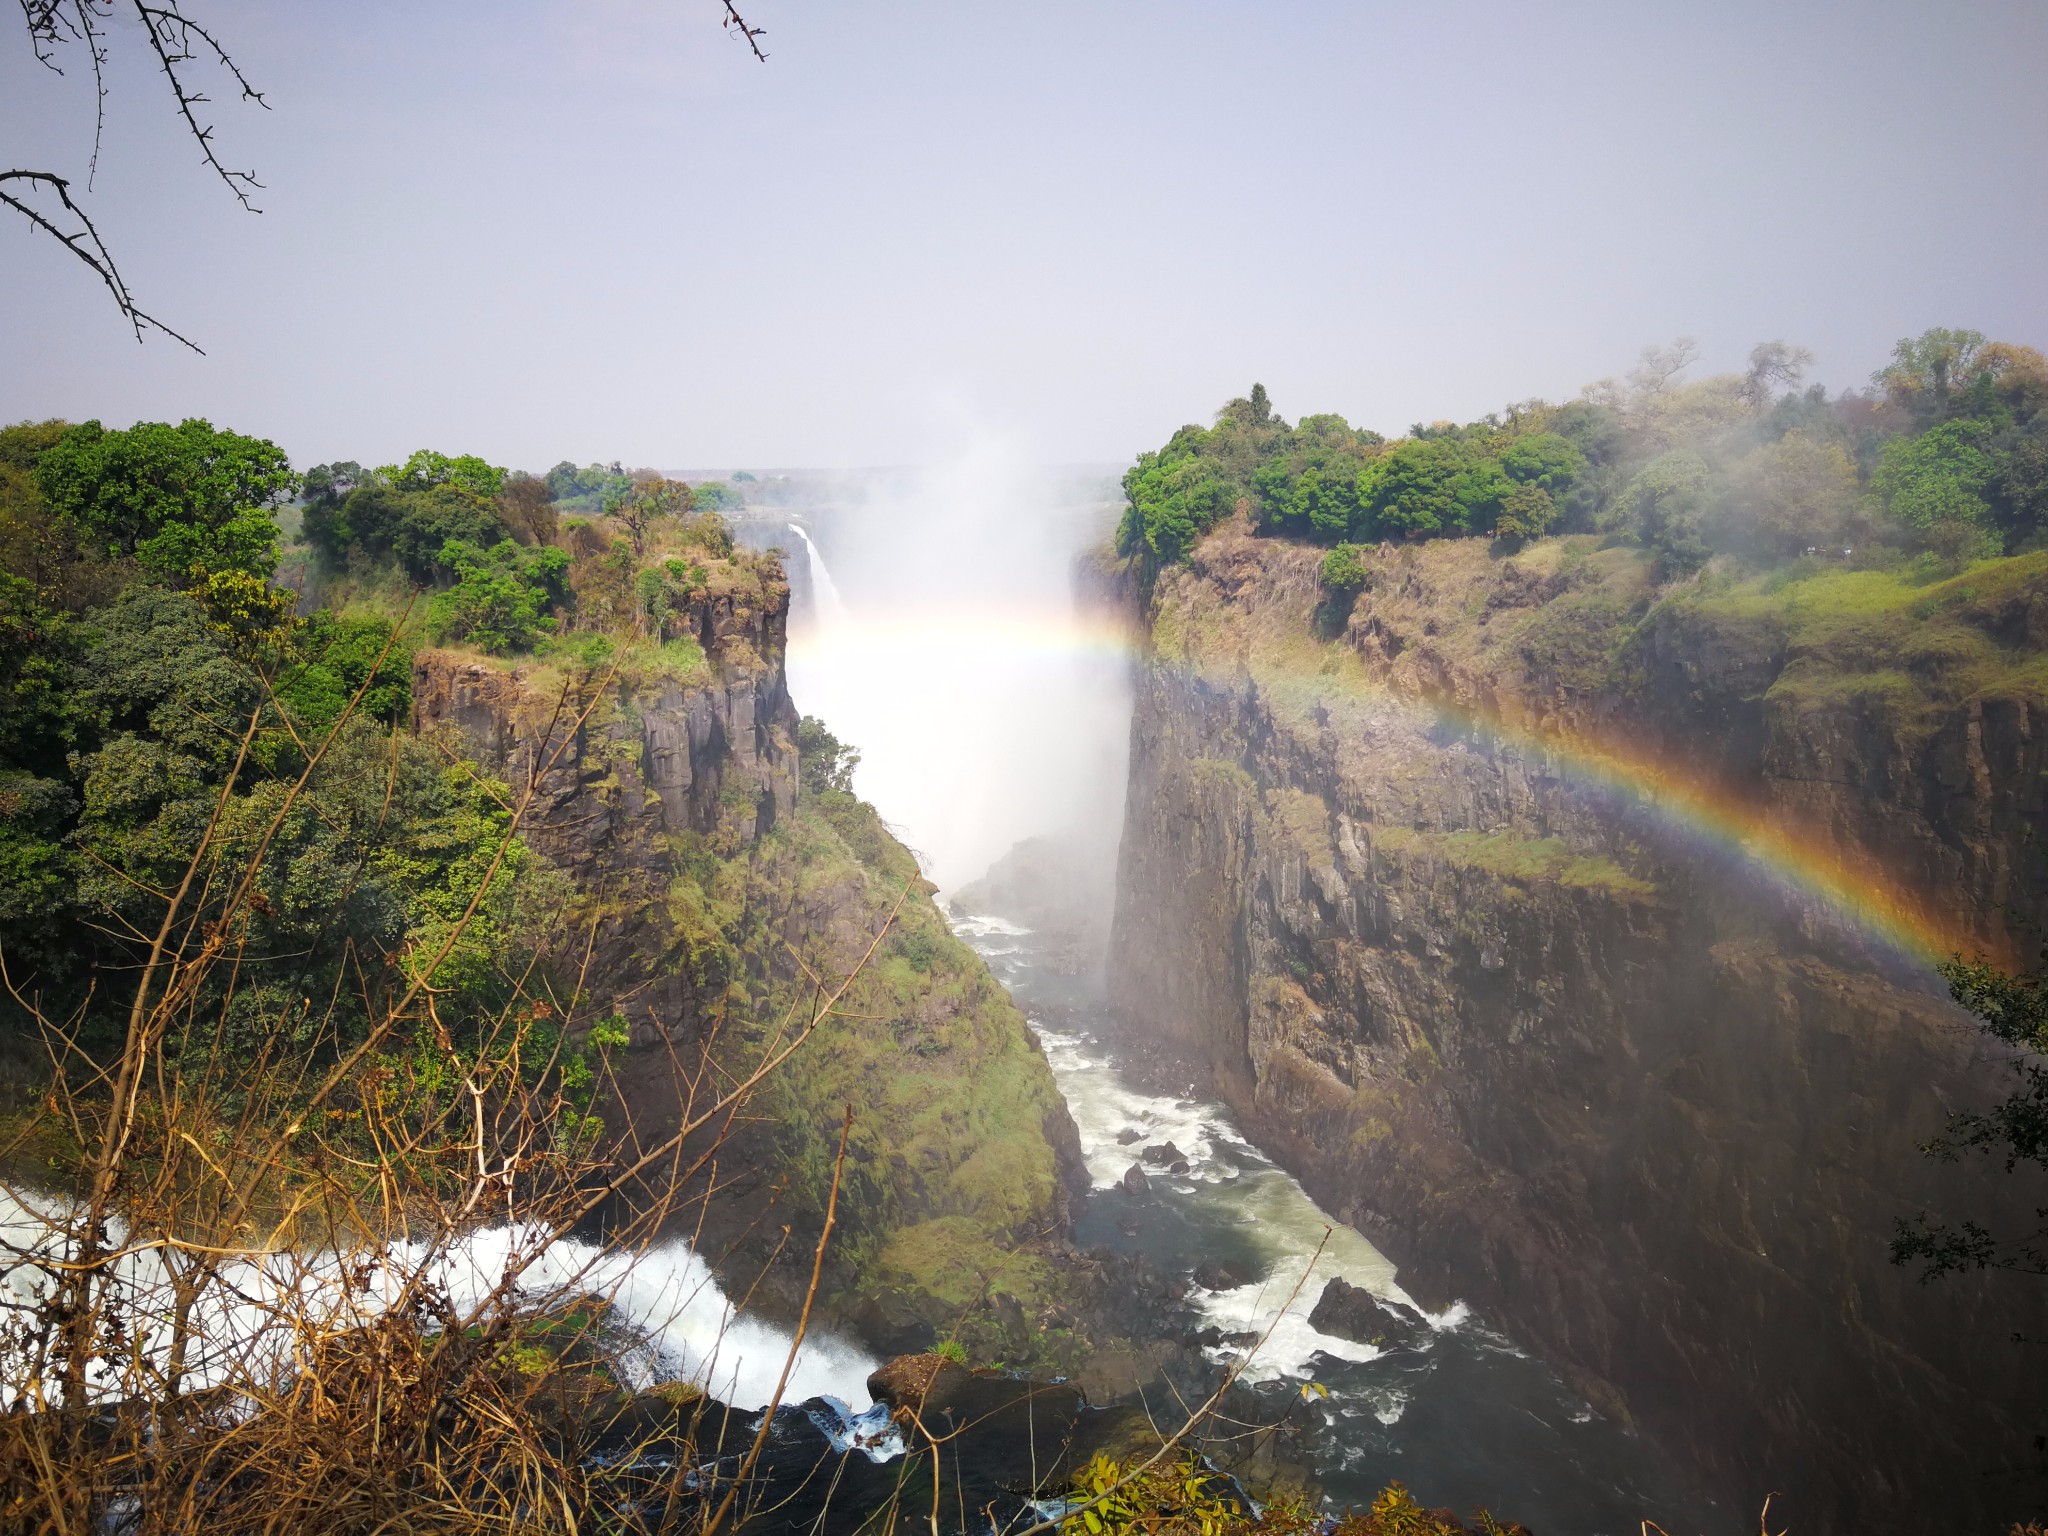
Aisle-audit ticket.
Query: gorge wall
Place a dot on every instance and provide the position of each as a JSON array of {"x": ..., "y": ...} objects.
[
  {"x": 713, "y": 898},
  {"x": 1562, "y": 1058}
]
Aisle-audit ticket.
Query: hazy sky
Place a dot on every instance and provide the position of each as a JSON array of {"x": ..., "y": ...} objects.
[{"x": 597, "y": 228}]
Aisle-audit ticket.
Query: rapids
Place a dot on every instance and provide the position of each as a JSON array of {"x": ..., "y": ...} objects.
[{"x": 1449, "y": 1407}]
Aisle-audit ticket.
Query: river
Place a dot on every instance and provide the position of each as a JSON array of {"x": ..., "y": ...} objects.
[{"x": 1452, "y": 1409}]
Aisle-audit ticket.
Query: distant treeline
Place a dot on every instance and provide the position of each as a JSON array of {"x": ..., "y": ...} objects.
[{"x": 1946, "y": 454}]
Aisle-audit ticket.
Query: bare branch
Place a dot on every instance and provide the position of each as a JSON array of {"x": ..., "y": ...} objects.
[
  {"x": 85, "y": 243},
  {"x": 734, "y": 22}
]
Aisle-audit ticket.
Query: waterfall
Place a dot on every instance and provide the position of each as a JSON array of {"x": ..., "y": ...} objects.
[
  {"x": 830, "y": 606},
  {"x": 681, "y": 1326}
]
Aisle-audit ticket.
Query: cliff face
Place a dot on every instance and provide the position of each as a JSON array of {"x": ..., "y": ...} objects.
[
  {"x": 1565, "y": 1058},
  {"x": 710, "y": 891},
  {"x": 692, "y": 745}
]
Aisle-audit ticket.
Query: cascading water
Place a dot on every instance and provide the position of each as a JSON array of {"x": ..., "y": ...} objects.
[
  {"x": 672, "y": 1320},
  {"x": 964, "y": 716},
  {"x": 1440, "y": 1402},
  {"x": 830, "y": 606}
]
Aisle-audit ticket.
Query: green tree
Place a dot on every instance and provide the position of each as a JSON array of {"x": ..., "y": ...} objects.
[
  {"x": 427, "y": 469},
  {"x": 411, "y": 527},
  {"x": 1933, "y": 484},
  {"x": 643, "y": 503},
  {"x": 825, "y": 764},
  {"x": 501, "y": 596},
  {"x": 1927, "y": 369},
  {"x": 1344, "y": 569},
  {"x": 1666, "y": 505},
  {"x": 1432, "y": 485},
  {"x": 2014, "y": 1010},
  {"x": 1543, "y": 459},
  {"x": 171, "y": 498}
]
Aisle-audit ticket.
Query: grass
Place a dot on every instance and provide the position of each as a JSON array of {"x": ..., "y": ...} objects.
[{"x": 1509, "y": 856}]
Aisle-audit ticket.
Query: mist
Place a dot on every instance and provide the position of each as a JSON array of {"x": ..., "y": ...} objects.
[{"x": 945, "y": 642}]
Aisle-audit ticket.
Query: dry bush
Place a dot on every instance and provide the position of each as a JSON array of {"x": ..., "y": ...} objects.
[{"x": 331, "y": 1281}]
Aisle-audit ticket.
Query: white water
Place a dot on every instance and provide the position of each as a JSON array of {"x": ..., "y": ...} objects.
[
  {"x": 1302, "y": 1247},
  {"x": 831, "y": 607},
  {"x": 678, "y": 1324},
  {"x": 945, "y": 645}
]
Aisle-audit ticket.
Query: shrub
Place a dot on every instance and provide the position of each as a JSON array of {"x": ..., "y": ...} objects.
[
  {"x": 1344, "y": 569},
  {"x": 501, "y": 596}
]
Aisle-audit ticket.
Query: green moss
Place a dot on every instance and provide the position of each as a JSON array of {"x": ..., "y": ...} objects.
[
  {"x": 1889, "y": 642},
  {"x": 1509, "y": 856},
  {"x": 1219, "y": 775},
  {"x": 951, "y": 1096}
]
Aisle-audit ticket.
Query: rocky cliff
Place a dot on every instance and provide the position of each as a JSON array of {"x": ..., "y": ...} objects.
[
  {"x": 713, "y": 896},
  {"x": 1575, "y": 1059}
]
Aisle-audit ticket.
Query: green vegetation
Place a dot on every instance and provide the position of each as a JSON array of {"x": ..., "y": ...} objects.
[
  {"x": 1525, "y": 860},
  {"x": 1181, "y": 1495},
  {"x": 501, "y": 596},
  {"x": 2012, "y": 1009},
  {"x": 1946, "y": 454}
]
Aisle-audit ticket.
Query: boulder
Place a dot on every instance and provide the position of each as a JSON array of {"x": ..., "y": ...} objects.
[
  {"x": 1163, "y": 1154},
  {"x": 1134, "y": 1181},
  {"x": 1348, "y": 1311},
  {"x": 1223, "y": 1274}
]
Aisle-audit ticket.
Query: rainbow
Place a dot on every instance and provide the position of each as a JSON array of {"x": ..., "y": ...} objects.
[{"x": 1847, "y": 884}]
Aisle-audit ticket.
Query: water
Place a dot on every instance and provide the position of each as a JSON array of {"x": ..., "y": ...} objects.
[
  {"x": 830, "y": 606},
  {"x": 674, "y": 1322},
  {"x": 1448, "y": 1405}
]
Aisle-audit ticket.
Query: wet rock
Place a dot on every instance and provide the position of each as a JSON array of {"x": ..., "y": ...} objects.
[
  {"x": 1134, "y": 1181},
  {"x": 894, "y": 1321},
  {"x": 1163, "y": 1154},
  {"x": 1347, "y": 1311},
  {"x": 995, "y": 1430},
  {"x": 1129, "y": 1134},
  {"x": 1180, "y": 1167},
  {"x": 1223, "y": 1274}
]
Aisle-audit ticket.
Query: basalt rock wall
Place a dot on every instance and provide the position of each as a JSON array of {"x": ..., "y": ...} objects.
[
  {"x": 1629, "y": 1090},
  {"x": 622, "y": 762}
]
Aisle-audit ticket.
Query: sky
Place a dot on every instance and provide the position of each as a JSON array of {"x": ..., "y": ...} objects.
[{"x": 598, "y": 229}]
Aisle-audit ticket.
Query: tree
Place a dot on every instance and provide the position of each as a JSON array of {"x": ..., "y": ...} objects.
[
  {"x": 645, "y": 503},
  {"x": 1933, "y": 484},
  {"x": 2012, "y": 1009},
  {"x": 1666, "y": 505},
  {"x": 1792, "y": 495},
  {"x": 501, "y": 596},
  {"x": 180, "y": 46},
  {"x": 1773, "y": 366},
  {"x": 1926, "y": 369},
  {"x": 427, "y": 469},
  {"x": 528, "y": 508},
  {"x": 175, "y": 499},
  {"x": 1432, "y": 485},
  {"x": 411, "y": 527}
]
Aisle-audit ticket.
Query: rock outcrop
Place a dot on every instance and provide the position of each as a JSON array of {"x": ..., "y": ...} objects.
[
  {"x": 713, "y": 904},
  {"x": 624, "y": 760},
  {"x": 1580, "y": 1063}
]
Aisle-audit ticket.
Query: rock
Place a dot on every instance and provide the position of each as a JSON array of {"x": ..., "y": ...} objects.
[
  {"x": 1223, "y": 1274},
  {"x": 1163, "y": 1154},
  {"x": 1129, "y": 1134},
  {"x": 895, "y": 1321},
  {"x": 1134, "y": 1181},
  {"x": 1347, "y": 1311},
  {"x": 1586, "y": 1100},
  {"x": 1180, "y": 1167}
]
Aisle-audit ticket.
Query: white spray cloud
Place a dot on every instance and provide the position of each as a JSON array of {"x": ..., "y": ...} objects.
[{"x": 945, "y": 644}]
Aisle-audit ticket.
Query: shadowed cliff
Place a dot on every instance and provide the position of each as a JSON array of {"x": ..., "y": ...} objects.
[{"x": 1566, "y": 1059}]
